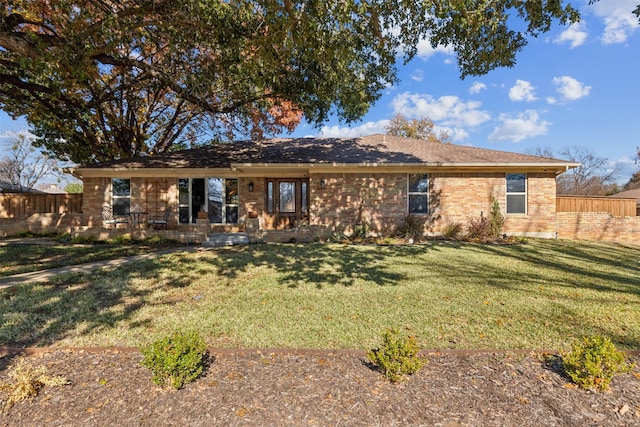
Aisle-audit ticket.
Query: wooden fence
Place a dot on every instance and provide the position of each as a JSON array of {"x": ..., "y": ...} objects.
[
  {"x": 23, "y": 205},
  {"x": 614, "y": 206}
]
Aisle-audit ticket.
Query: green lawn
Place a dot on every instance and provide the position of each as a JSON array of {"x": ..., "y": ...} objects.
[
  {"x": 25, "y": 258},
  {"x": 542, "y": 294}
]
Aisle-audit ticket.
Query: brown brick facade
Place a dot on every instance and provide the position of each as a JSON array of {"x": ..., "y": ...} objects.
[{"x": 380, "y": 199}]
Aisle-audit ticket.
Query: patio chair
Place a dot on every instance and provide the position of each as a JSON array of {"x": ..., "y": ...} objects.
[
  {"x": 159, "y": 224},
  {"x": 109, "y": 219}
]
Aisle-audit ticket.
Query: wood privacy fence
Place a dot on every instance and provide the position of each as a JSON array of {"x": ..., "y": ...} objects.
[
  {"x": 23, "y": 205},
  {"x": 614, "y": 206}
]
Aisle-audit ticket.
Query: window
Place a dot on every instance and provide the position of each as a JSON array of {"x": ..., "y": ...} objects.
[
  {"x": 121, "y": 196},
  {"x": 287, "y": 197},
  {"x": 516, "y": 193},
  {"x": 418, "y": 193},
  {"x": 216, "y": 196},
  {"x": 270, "y": 196}
]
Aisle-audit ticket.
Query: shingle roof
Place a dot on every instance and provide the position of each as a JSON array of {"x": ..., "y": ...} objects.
[
  {"x": 379, "y": 149},
  {"x": 634, "y": 193}
]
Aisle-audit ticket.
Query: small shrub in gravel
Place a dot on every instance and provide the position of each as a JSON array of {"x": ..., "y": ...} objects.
[
  {"x": 593, "y": 362},
  {"x": 397, "y": 356},
  {"x": 176, "y": 360}
]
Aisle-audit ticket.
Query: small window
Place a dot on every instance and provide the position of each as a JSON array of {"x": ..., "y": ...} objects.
[
  {"x": 303, "y": 197},
  {"x": 270, "y": 196},
  {"x": 121, "y": 196},
  {"x": 516, "y": 193},
  {"x": 418, "y": 193}
]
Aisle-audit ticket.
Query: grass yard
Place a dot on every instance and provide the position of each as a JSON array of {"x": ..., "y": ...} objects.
[
  {"x": 25, "y": 258},
  {"x": 542, "y": 294}
]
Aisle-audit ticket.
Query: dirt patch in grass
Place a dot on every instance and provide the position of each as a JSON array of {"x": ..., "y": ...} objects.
[{"x": 288, "y": 387}]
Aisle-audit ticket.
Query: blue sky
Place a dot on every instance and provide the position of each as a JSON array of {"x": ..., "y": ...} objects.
[{"x": 575, "y": 85}]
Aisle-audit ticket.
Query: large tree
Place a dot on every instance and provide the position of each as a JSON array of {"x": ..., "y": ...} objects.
[
  {"x": 105, "y": 79},
  {"x": 414, "y": 128},
  {"x": 23, "y": 166},
  {"x": 595, "y": 176}
]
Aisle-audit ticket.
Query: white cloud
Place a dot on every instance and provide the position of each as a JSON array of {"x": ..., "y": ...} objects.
[
  {"x": 551, "y": 100},
  {"x": 369, "y": 128},
  {"x": 618, "y": 19},
  {"x": 425, "y": 51},
  {"x": 522, "y": 91},
  {"x": 445, "y": 111},
  {"x": 570, "y": 88},
  {"x": 417, "y": 75},
  {"x": 477, "y": 87},
  {"x": 575, "y": 35},
  {"x": 524, "y": 125}
]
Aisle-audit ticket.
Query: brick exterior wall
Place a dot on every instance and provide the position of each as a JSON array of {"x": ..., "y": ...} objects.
[
  {"x": 598, "y": 226},
  {"x": 378, "y": 199},
  {"x": 381, "y": 200},
  {"x": 151, "y": 195}
]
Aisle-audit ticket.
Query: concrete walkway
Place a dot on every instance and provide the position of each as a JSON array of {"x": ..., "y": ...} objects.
[{"x": 46, "y": 275}]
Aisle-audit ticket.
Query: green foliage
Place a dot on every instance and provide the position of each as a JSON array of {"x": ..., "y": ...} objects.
[
  {"x": 452, "y": 230},
  {"x": 115, "y": 79},
  {"x": 397, "y": 356},
  {"x": 176, "y": 360},
  {"x": 496, "y": 220},
  {"x": 593, "y": 362},
  {"x": 360, "y": 231},
  {"x": 412, "y": 228},
  {"x": 74, "y": 188},
  {"x": 420, "y": 129}
]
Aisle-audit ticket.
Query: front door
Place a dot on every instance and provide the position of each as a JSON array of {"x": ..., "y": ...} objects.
[{"x": 287, "y": 202}]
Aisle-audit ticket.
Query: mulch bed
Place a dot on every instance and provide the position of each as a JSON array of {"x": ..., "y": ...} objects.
[{"x": 321, "y": 388}]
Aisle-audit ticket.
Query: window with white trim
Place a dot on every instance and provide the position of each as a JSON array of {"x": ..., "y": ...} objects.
[
  {"x": 418, "y": 193},
  {"x": 516, "y": 193},
  {"x": 120, "y": 196}
]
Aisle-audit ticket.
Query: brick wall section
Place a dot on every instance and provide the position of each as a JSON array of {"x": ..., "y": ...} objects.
[
  {"x": 379, "y": 199},
  {"x": 457, "y": 197},
  {"x": 152, "y": 195},
  {"x": 41, "y": 223},
  {"x": 598, "y": 226}
]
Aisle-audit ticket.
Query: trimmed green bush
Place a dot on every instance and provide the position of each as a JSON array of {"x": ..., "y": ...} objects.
[
  {"x": 496, "y": 220},
  {"x": 593, "y": 362},
  {"x": 397, "y": 356},
  {"x": 176, "y": 360}
]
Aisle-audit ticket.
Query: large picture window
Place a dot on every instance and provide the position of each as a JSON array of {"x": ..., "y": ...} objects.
[
  {"x": 516, "y": 193},
  {"x": 418, "y": 194},
  {"x": 121, "y": 196}
]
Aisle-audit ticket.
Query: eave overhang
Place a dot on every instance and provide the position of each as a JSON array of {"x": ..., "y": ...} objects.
[{"x": 305, "y": 169}]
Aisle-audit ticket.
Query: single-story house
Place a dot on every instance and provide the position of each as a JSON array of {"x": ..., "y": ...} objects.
[{"x": 330, "y": 184}]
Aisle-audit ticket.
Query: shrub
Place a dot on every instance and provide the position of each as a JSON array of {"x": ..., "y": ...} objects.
[
  {"x": 176, "y": 360},
  {"x": 360, "y": 231},
  {"x": 27, "y": 382},
  {"x": 452, "y": 230},
  {"x": 496, "y": 220},
  {"x": 593, "y": 362},
  {"x": 478, "y": 228},
  {"x": 412, "y": 228},
  {"x": 397, "y": 356}
]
